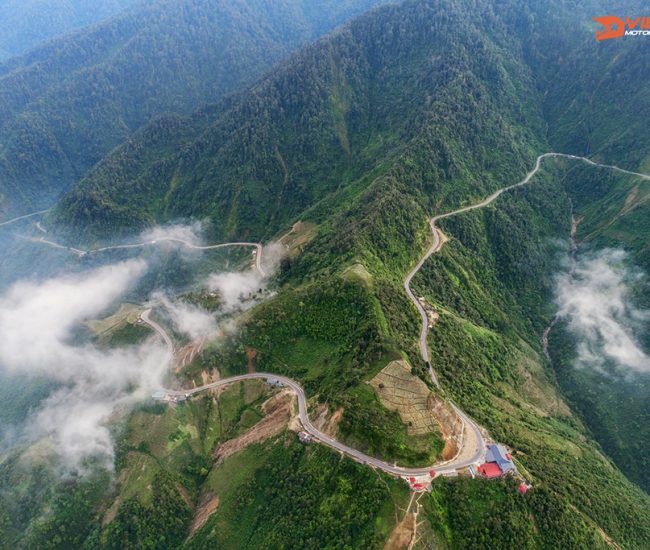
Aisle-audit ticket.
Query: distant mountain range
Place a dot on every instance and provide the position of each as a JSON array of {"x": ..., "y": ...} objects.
[
  {"x": 410, "y": 110},
  {"x": 26, "y": 23},
  {"x": 67, "y": 103}
]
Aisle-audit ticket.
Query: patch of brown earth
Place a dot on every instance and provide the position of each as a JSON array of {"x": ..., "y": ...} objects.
[
  {"x": 278, "y": 410},
  {"x": 209, "y": 377},
  {"x": 185, "y": 355},
  {"x": 185, "y": 496},
  {"x": 326, "y": 422},
  {"x": 402, "y": 535},
  {"x": 251, "y": 354},
  {"x": 301, "y": 233},
  {"x": 451, "y": 426},
  {"x": 208, "y": 504}
]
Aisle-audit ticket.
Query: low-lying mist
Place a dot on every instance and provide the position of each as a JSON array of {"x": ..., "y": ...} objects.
[
  {"x": 40, "y": 321},
  {"x": 596, "y": 301}
]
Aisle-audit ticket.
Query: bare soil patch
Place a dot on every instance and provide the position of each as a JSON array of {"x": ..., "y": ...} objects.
[
  {"x": 400, "y": 538},
  {"x": 326, "y": 422},
  {"x": 278, "y": 410},
  {"x": 251, "y": 354},
  {"x": 208, "y": 504}
]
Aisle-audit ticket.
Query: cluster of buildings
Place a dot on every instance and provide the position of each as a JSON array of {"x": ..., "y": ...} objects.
[
  {"x": 497, "y": 462},
  {"x": 164, "y": 397}
]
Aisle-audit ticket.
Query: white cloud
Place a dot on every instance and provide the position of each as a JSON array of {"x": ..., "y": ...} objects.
[
  {"x": 237, "y": 289},
  {"x": 191, "y": 321},
  {"x": 184, "y": 233},
  {"x": 38, "y": 321},
  {"x": 596, "y": 302}
]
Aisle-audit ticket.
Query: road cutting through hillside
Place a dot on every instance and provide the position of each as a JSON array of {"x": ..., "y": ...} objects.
[
  {"x": 437, "y": 243},
  {"x": 473, "y": 444},
  {"x": 154, "y": 242},
  {"x": 472, "y": 448},
  {"x": 24, "y": 217}
]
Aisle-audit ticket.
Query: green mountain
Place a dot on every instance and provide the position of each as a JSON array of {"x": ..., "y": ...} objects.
[
  {"x": 332, "y": 119},
  {"x": 408, "y": 111},
  {"x": 67, "y": 103},
  {"x": 26, "y": 23},
  {"x": 338, "y": 113}
]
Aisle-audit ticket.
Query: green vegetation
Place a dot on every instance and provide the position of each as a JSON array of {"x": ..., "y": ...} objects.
[
  {"x": 613, "y": 210},
  {"x": 300, "y": 497},
  {"x": 369, "y": 426},
  {"x": 485, "y": 514},
  {"x": 68, "y": 102},
  {"x": 410, "y": 110},
  {"x": 161, "y": 525},
  {"x": 26, "y": 23},
  {"x": 325, "y": 334}
]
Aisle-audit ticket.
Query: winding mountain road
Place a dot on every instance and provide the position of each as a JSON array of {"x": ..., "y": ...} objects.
[
  {"x": 145, "y": 317},
  {"x": 437, "y": 243},
  {"x": 472, "y": 442},
  {"x": 470, "y": 427},
  {"x": 153, "y": 242}
]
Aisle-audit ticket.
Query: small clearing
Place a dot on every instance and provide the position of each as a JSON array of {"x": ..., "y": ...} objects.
[
  {"x": 402, "y": 535},
  {"x": 301, "y": 233}
]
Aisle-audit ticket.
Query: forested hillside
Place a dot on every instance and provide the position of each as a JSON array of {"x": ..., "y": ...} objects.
[
  {"x": 340, "y": 110},
  {"x": 26, "y": 23},
  {"x": 403, "y": 80},
  {"x": 67, "y": 103},
  {"x": 408, "y": 111}
]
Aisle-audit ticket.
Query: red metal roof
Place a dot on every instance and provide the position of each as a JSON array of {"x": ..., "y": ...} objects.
[{"x": 490, "y": 469}]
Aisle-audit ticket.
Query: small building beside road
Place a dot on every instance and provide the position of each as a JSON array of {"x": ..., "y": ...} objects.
[
  {"x": 159, "y": 396},
  {"x": 498, "y": 462}
]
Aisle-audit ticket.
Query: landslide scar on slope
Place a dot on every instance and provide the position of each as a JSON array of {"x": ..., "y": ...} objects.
[{"x": 278, "y": 411}]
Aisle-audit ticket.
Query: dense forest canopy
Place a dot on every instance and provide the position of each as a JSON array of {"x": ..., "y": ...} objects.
[
  {"x": 409, "y": 110},
  {"x": 26, "y": 23},
  {"x": 68, "y": 102}
]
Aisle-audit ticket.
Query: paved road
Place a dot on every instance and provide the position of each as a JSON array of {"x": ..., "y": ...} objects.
[
  {"x": 258, "y": 247},
  {"x": 440, "y": 468},
  {"x": 424, "y": 350},
  {"x": 146, "y": 319},
  {"x": 24, "y": 217}
]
